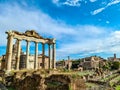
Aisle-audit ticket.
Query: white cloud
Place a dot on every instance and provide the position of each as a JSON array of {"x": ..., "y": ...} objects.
[
  {"x": 75, "y": 3},
  {"x": 113, "y": 2},
  {"x": 56, "y": 2},
  {"x": 93, "y": 0},
  {"x": 97, "y": 11},
  {"x": 109, "y": 44},
  {"x": 107, "y": 22},
  {"x": 72, "y": 3}
]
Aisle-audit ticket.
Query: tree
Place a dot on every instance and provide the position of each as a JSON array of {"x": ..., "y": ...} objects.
[
  {"x": 106, "y": 67},
  {"x": 115, "y": 65}
]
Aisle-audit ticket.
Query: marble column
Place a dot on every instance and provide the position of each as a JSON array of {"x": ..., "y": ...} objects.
[
  {"x": 54, "y": 56},
  {"x": 18, "y": 54},
  {"x": 43, "y": 55},
  {"x": 9, "y": 52},
  {"x": 27, "y": 54},
  {"x": 49, "y": 54},
  {"x": 36, "y": 56}
]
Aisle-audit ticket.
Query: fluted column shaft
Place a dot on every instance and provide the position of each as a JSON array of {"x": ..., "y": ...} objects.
[
  {"x": 54, "y": 56},
  {"x": 9, "y": 52},
  {"x": 27, "y": 55},
  {"x": 18, "y": 55},
  {"x": 49, "y": 54},
  {"x": 36, "y": 56},
  {"x": 43, "y": 55}
]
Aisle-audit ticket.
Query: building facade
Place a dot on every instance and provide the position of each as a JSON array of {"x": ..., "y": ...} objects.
[{"x": 90, "y": 63}]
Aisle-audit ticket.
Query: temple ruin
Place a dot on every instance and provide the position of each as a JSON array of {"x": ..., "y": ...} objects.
[{"x": 29, "y": 36}]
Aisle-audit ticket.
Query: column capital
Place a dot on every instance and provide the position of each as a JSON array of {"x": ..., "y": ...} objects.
[
  {"x": 10, "y": 33},
  {"x": 53, "y": 40},
  {"x": 42, "y": 43},
  {"x": 19, "y": 39},
  {"x": 36, "y": 42},
  {"x": 10, "y": 36},
  {"x": 27, "y": 40},
  {"x": 49, "y": 44},
  {"x": 53, "y": 43}
]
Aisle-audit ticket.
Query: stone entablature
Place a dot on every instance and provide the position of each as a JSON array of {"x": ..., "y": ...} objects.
[{"x": 29, "y": 36}]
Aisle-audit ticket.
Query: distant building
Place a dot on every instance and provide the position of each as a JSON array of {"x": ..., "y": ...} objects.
[
  {"x": 114, "y": 58},
  {"x": 64, "y": 64},
  {"x": 2, "y": 62},
  {"x": 90, "y": 62}
]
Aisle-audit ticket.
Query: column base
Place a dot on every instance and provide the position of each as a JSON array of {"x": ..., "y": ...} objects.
[{"x": 7, "y": 72}]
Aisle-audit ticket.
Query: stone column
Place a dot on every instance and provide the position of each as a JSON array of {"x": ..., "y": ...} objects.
[
  {"x": 9, "y": 52},
  {"x": 68, "y": 62},
  {"x": 27, "y": 54},
  {"x": 18, "y": 54},
  {"x": 54, "y": 56},
  {"x": 49, "y": 54},
  {"x": 36, "y": 56},
  {"x": 43, "y": 55}
]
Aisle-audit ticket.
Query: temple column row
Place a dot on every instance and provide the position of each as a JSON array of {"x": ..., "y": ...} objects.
[
  {"x": 9, "y": 54},
  {"x": 51, "y": 55}
]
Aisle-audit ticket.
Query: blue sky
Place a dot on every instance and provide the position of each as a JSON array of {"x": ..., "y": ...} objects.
[{"x": 81, "y": 27}]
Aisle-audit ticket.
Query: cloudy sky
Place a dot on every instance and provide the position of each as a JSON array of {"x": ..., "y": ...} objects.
[{"x": 81, "y": 27}]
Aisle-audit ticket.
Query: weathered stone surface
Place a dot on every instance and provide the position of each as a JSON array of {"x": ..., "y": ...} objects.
[{"x": 35, "y": 81}]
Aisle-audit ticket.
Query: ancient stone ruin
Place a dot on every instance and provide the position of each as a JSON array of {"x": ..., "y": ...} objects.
[
  {"x": 36, "y": 81},
  {"x": 29, "y": 36}
]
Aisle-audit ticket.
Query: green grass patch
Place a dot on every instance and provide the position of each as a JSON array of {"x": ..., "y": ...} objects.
[
  {"x": 10, "y": 88},
  {"x": 91, "y": 84},
  {"x": 53, "y": 84},
  {"x": 117, "y": 87}
]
